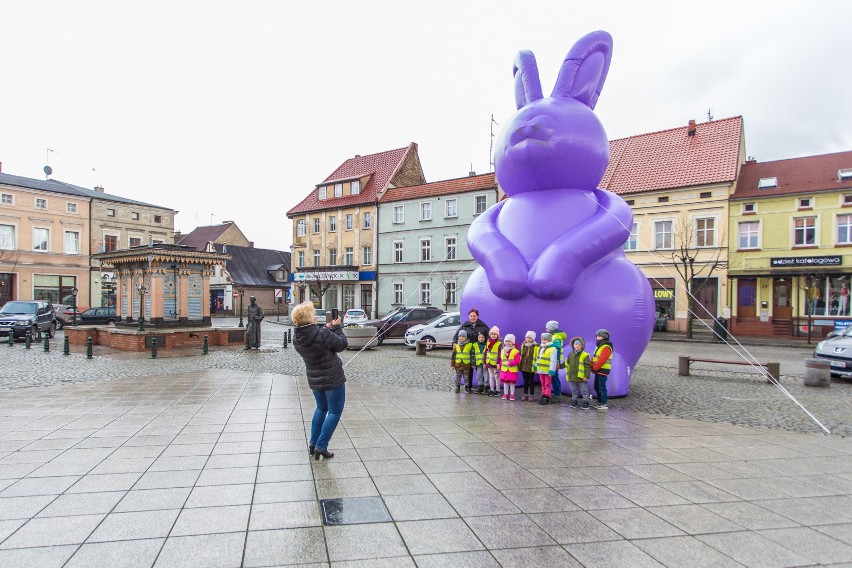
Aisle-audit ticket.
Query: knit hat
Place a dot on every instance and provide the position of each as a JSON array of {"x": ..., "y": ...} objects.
[
  {"x": 531, "y": 335},
  {"x": 547, "y": 337},
  {"x": 463, "y": 333},
  {"x": 509, "y": 337},
  {"x": 494, "y": 329},
  {"x": 552, "y": 326},
  {"x": 602, "y": 333}
]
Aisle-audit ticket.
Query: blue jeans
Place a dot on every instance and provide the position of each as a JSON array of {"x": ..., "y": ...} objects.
[
  {"x": 600, "y": 388},
  {"x": 557, "y": 385},
  {"x": 327, "y": 415}
]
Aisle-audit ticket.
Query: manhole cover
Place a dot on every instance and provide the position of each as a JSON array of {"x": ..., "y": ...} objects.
[{"x": 354, "y": 511}]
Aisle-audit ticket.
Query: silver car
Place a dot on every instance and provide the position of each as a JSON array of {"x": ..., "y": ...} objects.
[
  {"x": 438, "y": 330},
  {"x": 838, "y": 350}
]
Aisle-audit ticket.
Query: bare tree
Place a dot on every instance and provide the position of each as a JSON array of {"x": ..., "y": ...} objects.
[
  {"x": 319, "y": 284},
  {"x": 696, "y": 254}
]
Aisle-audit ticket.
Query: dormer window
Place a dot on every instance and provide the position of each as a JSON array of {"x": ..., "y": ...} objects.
[
  {"x": 355, "y": 188},
  {"x": 767, "y": 183},
  {"x": 323, "y": 192},
  {"x": 844, "y": 174},
  {"x": 338, "y": 190}
]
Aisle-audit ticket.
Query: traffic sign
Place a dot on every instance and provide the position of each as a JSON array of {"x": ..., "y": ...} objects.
[
  {"x": 279, "y": 293},
  {"x": 236, "y": 294}
]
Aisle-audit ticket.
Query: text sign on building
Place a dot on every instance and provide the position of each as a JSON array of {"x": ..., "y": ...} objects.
[
  {"x": 663, "y": 294},
  {"x": 806, "y": 261},
  {"x": 325, "y": 276}
]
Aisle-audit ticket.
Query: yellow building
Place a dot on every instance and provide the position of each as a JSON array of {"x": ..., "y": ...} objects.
[
  {"x": 335, "y": 229},
  {"x": 791, "y": 227},
  {"x": 677, "y": 182}
]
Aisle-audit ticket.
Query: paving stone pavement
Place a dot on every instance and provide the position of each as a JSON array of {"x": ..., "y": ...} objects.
[{"x": 208, "y": 468}]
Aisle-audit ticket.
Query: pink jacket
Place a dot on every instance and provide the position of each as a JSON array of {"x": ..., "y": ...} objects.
[{"x": 512, "y": 360}]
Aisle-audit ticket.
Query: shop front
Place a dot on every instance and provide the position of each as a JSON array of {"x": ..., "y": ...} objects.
[
  {"x": 335, "y": 289},
  {"x": 664, "y": 303}
]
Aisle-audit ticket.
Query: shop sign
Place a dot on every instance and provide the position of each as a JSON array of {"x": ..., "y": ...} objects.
[
  {"x": 842, "y": 324},
  {"x": 663, "y": 294},
  {"x": 325, "y": 276},
  {"x": 788, "y": 261}
]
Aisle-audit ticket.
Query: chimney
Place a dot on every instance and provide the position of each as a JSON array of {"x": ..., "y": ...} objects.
[
  {"x": 690, "y": 129},
  {"x": 99, "y": 188},
  {"x": 471, "y": 173},
  {"x": 227, "y": 222},
  {"x": 177, "y": 237},
  {"x": 357, "y": 155},
  {"x": 751, "y": 160}
]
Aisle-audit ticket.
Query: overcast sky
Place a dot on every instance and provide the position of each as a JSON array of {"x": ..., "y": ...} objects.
[{"x": 235, "y": 110}]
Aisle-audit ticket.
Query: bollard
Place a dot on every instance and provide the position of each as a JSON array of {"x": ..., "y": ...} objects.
[
  {"x": 289, "y": 336},
  {"x": 683, "y": 366},
  {"x": 153, "y": 348},
  {"x": 66, "y": 347},
  {"x": 419, "y": 347},
  {"x": 285, "y": 341},
  {"x": 817, "y": 372},
  {"x": 12, "y": 337},
  {"x": 774, "y": 371},
  {"x": 88, "y": 348},
  {"x": 204, "y": 346},
  {"x": 27, "y": 341},
  {"x": 38, "y": 334},
  {"x": 46, "y": 342}
]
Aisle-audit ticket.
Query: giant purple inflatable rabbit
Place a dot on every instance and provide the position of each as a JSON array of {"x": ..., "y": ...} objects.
[{"x": 554, "y": 249}]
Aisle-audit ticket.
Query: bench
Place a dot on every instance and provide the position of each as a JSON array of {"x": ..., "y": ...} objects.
[{"x": 683, "y": 362}]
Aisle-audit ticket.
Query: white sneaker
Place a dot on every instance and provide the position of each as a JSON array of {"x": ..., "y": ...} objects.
[{"x": 601, "y": 407}]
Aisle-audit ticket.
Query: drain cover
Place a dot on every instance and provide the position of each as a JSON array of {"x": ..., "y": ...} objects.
[{"x": 354, "y": 511}]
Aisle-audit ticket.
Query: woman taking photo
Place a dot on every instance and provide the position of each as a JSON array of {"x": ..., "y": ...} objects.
[{"x": 319, "y": 346}]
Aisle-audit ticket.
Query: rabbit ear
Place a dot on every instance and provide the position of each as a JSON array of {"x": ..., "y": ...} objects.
[
  {"x": 527, "y": 84},
  {"x": 584, "y": 70}
]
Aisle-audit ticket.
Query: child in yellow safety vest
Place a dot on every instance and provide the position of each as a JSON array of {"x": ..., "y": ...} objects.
[
  {"x": 578, "y": 370},
  {"x": 479, "y": 363},
  {"x": 529, "y": 353},
  {"x": 493, "y": 347},
  {"x": 509, "y": 361},
  {"x": 462, "y": 361},
  {"x": 547, "y": 367}
]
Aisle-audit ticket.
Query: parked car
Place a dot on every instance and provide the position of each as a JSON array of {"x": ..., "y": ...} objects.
[
  {"x": 395, "y": 324},
  {"x": 439, "y": 330},
  {"x": 22, "y": 317},
  {"x": 354, "y": 316},
  {"x": 98, "y": 316},
  {"x": 64, "y": 315},
  {"x": 838, "y": 351}
]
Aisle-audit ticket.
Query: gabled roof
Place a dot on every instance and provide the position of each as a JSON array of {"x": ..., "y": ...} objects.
[
  {"x": 672, "y": 158},
  {"x": 381, "y": 168},
  {"x": 445, "y": 187},
  {"x": 56, "y": 186},
  {"x": 200, "y": 236},
  {"x": 250, "y": 266},
  {"x": 809, "y": 174}
]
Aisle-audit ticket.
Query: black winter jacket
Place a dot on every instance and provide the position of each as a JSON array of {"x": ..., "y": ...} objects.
[
  {"x": 319, "y": 346},
  {"x": 472, "y": 330}
]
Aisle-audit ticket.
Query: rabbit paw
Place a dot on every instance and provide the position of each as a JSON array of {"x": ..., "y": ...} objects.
[
  {"x": 509, "y": 289},
  {"x": 550, "y": 289}
]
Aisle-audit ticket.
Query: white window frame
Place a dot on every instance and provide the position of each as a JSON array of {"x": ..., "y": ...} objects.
[
  {"x": 110, "y": 212},
  {"x": 7, "y": 199},
  {"x": 451, "y": 250},
  {"x": 804, "y": 230},
  {"x": 476, "y": 199},
  {"x": 317, "y": 257},
  {"x": 425, "y": 293},
  {"x": 368, "y": 220},
  {"x": 70, "y": 207},
  {"x": 748, "y": 235},
  {"x": 425, "y": 210},
  {"x": 767, "y": 183},
  {"x": 355, "y": 187},
  {"x": 670, "y": 233},
  {"x": 425, "y": 249},
  {"x": 450, "y": 293},
  {"x": 38, "y": 240},
  {"x": 398, "y": 252},
  {"x": 131, "y": 237},
  {"x": 76, "y": 243},
  {"x": 398, "y": 293},
  {"x": 367, "y": 256},
  {"x": 332, "y": 224},
  {"x": 350, "y": 222},
  {"x": 348, "y": 256},
  {"x": 847, "y": 225},
  {"x": 41, "y": 203},
  {"x": 8, "y": 241},
  {"x": 632, "y": 242},
  {"x": 705, "y": 230},
  {"x": 451, "y": 208},
  {"x": 332, "y": 257},
  {"x": 749, "y": 208},
  {"x": 398, "y": 214},
  {"x": 300, "y": 259},
  {"x": 134, "y": 215},
  {"x": 322, "y": 192},
  {"x": 317, "y": 227},
  {"x": 804, "y": 203},
  {"x": 301, "y": 228},
  {"x": 846, "y": 199},
  {"x": 338, "y": 190}
]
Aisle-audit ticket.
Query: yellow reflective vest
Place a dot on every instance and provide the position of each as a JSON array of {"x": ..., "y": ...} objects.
[
  {"x": 504, "y": 364},
  {"x": 604, "y": 370},
  {"x": 491, "y": 355},
  {"x": 463, "y": 353},
  {"x": 479, "y": 353},
  {"x": 542, "y": 364}
]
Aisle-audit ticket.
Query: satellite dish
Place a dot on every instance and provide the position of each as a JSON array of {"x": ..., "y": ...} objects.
[{"x": 48, "y": 170}]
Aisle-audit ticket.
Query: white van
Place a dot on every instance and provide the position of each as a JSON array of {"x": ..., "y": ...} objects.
[{"x": 438, "y": 330}]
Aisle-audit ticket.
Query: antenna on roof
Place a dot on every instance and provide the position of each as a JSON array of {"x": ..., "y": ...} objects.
[
  {"x": 709, "y": 115},
  {"x": 491, "y": 147}
]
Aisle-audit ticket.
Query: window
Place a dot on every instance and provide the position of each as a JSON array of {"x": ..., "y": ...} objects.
[
  {"x": 110, "y": 243},
  {"x": 398, "y": 296},
  {"x": 367, "y": 256},
  {"x": 7, "y": 237},
  {"x": 450, "y": 243},
  {"x": 452, "y": 208},
  {"x": 663, "y": 235},
  {"x": 40, "y": 239},
  {"x": 332, "y": 224},
  {"x": 425, "y": 293},
  {"x": 72, "y": 242},
  {"x": 355, "y": 187},
  {"x": 705, "y": 195},
  {"x": 349, "y": 222},
  {"x": 766, "y": 183},
  {"x": 631, "y": 243},
  {"x": 40, "y": 203},
  {"x": 348, "y": 297},
  {"x": 749, "y": 233},
  {"x": 135, "y": 241},
  {"x": 705, "y": 232},
  {"x": 749, "y": 208},
  {"x": 450, "y": 292},
  {"x": 300, "y": 228},
  {"x": 338, "y": 190},
  {"x": 70, "y": 207},
  {"x": 804, "y": 203},
  {"x": 134, "y": 216},
  {"x": 300, "y": 262},
  {"x": 426, "y": 211},
  {"x": 332, "y": 257},
  {"x": 804, "y": 231},
  {"x": 316, "y": 225},
  {"x": 847, "y": 199},
  {"x": 348, "y": 256},
  {"x": 480, "y": 203},
  {"x": 52, "y": 288},
  {"x": 368, "y": 220},
  {"x": 399, "y": 214},
  {"x": 110, "y": 212},
  {"x": 425, "y": 249},
  {"x": 156, "y": 242},
  {"x": 6, "y": 199},
  {"x": 158, "y": 218},
  {"x": 630, "y": 202},
  {"x": 844, "y": 229},
  {"x": 663, "y": 199},
  {"x": 845, "y": 174},
  {"x": 316, "y": 257},
  {"x": 397, "y": 251},
  {"x": 323, "y": 192}
]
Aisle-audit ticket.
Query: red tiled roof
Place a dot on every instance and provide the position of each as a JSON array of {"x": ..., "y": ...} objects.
[
  {"x": 672, "y": 158},
  {"x": 200, "y": 236},
  {"x": 445, "y": 187},
  {"x": 809, "y": 174},
  {"x": 380, "y": 167}
]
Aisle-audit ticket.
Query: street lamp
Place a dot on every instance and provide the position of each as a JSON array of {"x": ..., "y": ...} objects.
[
  {"x": 74, "y": 292},
  {"x": 142, "y": 289},
  {"x": 242, "y": 292}
]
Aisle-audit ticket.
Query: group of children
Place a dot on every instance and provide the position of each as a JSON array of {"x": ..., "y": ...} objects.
[{"x": 499, "y": 361}]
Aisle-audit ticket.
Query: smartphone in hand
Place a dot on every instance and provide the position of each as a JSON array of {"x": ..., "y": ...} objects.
[{"x": 335, "y": 313}]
